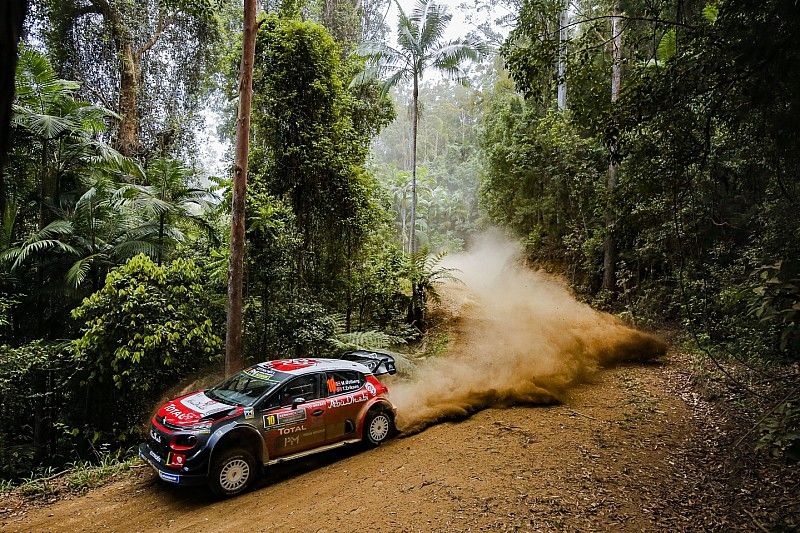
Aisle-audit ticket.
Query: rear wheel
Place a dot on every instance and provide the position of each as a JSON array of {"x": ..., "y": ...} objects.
[
  {"x": 378, "y": 427},
  {"x": 232, "y": 472}
]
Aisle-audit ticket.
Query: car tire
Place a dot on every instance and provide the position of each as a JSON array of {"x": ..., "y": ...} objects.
[
  {"x": 232, "y": 472},
  {"x": 378, "y": 427}
]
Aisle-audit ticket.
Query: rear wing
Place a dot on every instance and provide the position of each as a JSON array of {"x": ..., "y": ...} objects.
[{"x": 379, "y": 363}]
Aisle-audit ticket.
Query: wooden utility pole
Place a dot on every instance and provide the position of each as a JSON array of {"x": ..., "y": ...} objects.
[
  {"x": 609, "y": 245},
  {"x": 234, "y": 357}
]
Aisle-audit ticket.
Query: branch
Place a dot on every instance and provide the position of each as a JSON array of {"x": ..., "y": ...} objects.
[
  {"x": 91, "y": 9},
  {"x": 112, "y": 17},
  {"x": 101, "y": 7},
  {"x": 623, "y": 17},
  {"x": 161, "y": 25},
  {"x": 638, "y": 19}
]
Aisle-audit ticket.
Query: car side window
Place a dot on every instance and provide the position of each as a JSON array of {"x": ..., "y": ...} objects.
[
  {"x": 343, "y": 381},
  {"x": 306, "y": 387}
]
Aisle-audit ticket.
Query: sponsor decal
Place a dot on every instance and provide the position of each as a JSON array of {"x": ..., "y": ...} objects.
[
  {"x": 176, "y": 459},
  {"x": 155, "y": 456},
  {"x": 291, "y": 441},
  {"x": 295, "y": 429},
  {"x": 260, "y": 372},
  {"x": 275, "y": 420},
  {"x": 155, "y": 436},
  {"x": 287, "y": 365},
  {"x": 203, "y": 404},
  {"x": 172, "y": 478},
  {"x": 249, "y": 413},
  {"x": 347, "y": 385},
  {"x": 176, "y": 413},
  {"x": 371, "y": 388},
  {"x": 314, "y": 433},
  {"x": 294, "y": 438},
  {"x": 350, "y": 399}
]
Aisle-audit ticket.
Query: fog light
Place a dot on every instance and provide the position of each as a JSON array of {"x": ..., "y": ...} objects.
[{"x": 181, "y": 443}]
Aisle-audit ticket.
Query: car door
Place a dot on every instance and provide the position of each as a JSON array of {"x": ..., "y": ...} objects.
[
  {"x": 289, "y": 428},
  {"x": 346, "y": 395}
]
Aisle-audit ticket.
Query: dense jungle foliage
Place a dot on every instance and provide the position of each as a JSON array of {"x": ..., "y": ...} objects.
[
  {"x": 114, "y": 229},
  {"x": 703, "y": 134}
]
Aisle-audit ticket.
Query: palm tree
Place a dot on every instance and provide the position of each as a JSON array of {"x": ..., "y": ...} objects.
[
  {"x": 62, "y": 133},
  {"x": 167, "y": 200},
  {"x": 421, "y": 45},
  {"x": 426, "y": 273}
]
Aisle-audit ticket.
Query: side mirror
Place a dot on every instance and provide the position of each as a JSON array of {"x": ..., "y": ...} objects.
[{"x": 297, "y": 401}]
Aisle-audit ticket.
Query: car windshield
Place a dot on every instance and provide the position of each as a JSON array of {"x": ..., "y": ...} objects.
[{"x": 247, "y": 386}]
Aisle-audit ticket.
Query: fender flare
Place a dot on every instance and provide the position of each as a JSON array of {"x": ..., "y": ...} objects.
[
  {"x": 224, "y": 431},
  {"x": 375, "y": 402}
]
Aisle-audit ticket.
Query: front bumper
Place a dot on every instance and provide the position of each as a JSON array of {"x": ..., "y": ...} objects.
[{"x": 168, "y": 474}]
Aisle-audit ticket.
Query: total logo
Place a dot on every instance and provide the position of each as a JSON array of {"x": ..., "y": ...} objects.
[
  {"x": 177, "y": 413},
  {"x": 287, "y": 431}
]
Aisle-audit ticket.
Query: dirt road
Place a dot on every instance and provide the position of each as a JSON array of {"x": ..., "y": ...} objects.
[
  {"x": 607, "y": 459},
  {"x": 631, "y": 448}
]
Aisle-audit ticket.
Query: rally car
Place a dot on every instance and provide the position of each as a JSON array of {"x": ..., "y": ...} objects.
[{"x": 271, "y": 412}]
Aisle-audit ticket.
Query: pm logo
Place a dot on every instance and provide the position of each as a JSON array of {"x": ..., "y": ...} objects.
[{"x": 291, "y": 441}]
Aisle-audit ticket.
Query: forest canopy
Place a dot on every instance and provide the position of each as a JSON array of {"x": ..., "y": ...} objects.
[{"x": 646, "y": 151}]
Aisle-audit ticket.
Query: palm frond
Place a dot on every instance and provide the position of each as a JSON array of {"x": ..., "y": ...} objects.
[
  {"x": 130, "y": 248},
  {"x": 20, "y": 254},
  {"x": 366, "y": 340},
  {"x": 433, "y": 21},
  {"x": 76, "y": 275},
  {"x": 46, "y": 126},
  {"x": 454, "y": 53}
]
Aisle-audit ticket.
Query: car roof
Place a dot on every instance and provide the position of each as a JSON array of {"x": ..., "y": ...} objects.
[{"x": 299, "y": 367}]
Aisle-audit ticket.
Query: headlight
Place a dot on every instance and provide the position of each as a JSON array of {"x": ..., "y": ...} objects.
[
  {"x": 182, "y": 443},
  {"x": 203, "y": 427}
]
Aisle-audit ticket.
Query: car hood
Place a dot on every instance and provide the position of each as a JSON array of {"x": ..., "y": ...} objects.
[{"x": 190, "y": 409}]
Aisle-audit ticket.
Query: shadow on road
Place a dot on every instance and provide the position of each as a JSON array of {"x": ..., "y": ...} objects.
[{"x": 189, "y": 498}]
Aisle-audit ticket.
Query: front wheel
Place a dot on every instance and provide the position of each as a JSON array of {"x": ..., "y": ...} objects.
[
  {"x": 232, "y": 472},
  {"x": 378, "y": 426}
]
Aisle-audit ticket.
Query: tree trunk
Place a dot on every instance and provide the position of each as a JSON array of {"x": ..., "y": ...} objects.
[
  {"x": 12, "y": 17},
  {"x": 234, "y": 358},
  {"x": 161, "y": 222},
  {"x": 349, "y": 296},
  {"x": 609, "y": 245},
  {"x": 403, "y": 234},
  {"x": 128, "y": 135},
  {"x": 563, "y": 20},
  {"x": 414, "y": 119}
]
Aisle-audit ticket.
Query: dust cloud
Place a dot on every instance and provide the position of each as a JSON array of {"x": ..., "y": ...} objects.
[{"x": 517, "y": 336}]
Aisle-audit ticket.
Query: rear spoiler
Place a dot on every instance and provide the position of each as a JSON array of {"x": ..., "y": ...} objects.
[{"x": 379, "y": 363}]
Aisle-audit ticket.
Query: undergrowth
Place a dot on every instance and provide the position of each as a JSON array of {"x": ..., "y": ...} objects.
[{"x": 77, "y": 477}]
